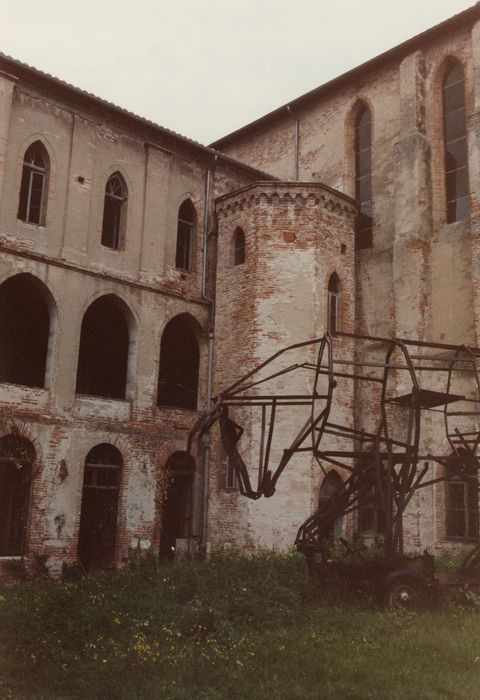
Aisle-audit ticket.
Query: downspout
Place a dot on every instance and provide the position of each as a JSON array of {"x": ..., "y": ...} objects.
[
  {"x": 297, "y": 138},
  {"x": 206, "y": 454}
]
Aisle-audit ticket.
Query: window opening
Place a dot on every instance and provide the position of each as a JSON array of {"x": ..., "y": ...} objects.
[
  {"x": 185, "y": 229},
  {"x": 239, "y": 247},
  {"x": 98, "y": 517},
  {"x": 33, "y": 187},
  {"x": 363, "y": 178},
  {"x": 455, "y": 142},
  {"x": 114, "y": 212},
  {"x": 25, "y": 331},
  {"x": 333, "y": 303},
  {"x": 230, "y": 475},
  {"x": 179, "y": 364},
  {"x": 177, "y": 507},
  {"x": 104, "y": 348},
  {"x": 371, "y": 514},
  {"x": 462, "y": 507},
  {"x": 331, "y": 486},
  {"x": 17, "y": 456}
]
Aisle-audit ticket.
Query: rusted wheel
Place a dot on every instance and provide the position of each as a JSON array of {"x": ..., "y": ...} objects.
[{"x": 404, "y": 593}]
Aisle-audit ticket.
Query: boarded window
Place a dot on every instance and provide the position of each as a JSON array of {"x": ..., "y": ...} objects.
[
  {"x": 185, "y": 232},
  {"x": 98, "y": 518},
  {"x": 34, "y": 185},
  {"x": 455, "y": 141},
  {"x": 333, "y": 303},
  {"x": 114, "y": 212},
  {"x": 25, "y": 331},
  {"x": 179, "y": 363},
  {"x": 239, "y": 247},
  {"x": 462, "y": 507},
  {"x": 104, "y": 348},
  {"x": 17, "y": 456},
  {"x": 363, "y": 177}
]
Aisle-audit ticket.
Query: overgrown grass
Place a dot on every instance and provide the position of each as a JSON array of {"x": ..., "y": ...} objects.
[{"x": 230, "y": 628}]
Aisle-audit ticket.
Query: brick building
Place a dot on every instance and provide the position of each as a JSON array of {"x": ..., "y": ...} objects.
[{"x": 141, "y": 272}]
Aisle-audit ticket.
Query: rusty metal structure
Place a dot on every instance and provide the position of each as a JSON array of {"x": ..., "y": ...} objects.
[{"x": 385, "y": 453}]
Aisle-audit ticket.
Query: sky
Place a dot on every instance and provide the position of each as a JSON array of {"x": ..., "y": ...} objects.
[{"x": 205, "y": 68}]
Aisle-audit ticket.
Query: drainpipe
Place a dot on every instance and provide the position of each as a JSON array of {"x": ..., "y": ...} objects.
[
  {"x": 206, "y": 454},
  {"x": 297, "y": 138}
]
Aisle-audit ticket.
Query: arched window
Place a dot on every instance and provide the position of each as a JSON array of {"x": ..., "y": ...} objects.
[
  {"x": 104, "y": 349},
  {"x": 185, "y": 232},
  {"x": 17, "y": 456},
  {"x": 179, "y": 362},
  {"x": 98, "y": 517},
  {"x": 363, "y": 177},
  {"x": 25, "y": 322},
  {"x": 32, "y": 203},
  {"x": 455, "y": 140},
  {"x": 333, "y": 303},
  {"x": 238, "y": 247},
  {"x": 177, "y": 508},
  {"x": 114, "y": 212}
]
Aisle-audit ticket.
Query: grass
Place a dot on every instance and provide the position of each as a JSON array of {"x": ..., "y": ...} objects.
[{"x": 231, "y": 628}]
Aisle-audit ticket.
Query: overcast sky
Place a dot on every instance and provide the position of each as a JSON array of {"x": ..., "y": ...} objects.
[{"x": 207, "y": 68}]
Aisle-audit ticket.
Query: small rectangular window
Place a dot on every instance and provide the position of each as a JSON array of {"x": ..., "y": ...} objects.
[{"x": 462, "y": 508}]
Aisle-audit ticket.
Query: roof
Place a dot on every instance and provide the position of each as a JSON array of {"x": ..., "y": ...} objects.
[
  {"x": 397, "y": 53},
  {"x": 54, "y": 87}
]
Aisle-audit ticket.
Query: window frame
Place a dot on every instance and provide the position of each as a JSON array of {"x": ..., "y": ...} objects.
[
  {"x": 30, "y": 170},
  {"x": 470, "y": 488},
  {"x": 363, "y": 221},
  {"x": 185, "y": 232},
  {"x": 117, "y": 234}
]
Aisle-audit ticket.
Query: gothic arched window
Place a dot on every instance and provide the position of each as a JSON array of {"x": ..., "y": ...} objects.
[
  {"x": 363, "y": 177},
  {"x": 114, "y": 212},
  {"x": 185, "y": 231},
  {"x": 455, "y": 144},
  {"x": 32, "y": 203},
  {"x": 238, "y": 247},
  {"x": 179, "y": 364}
]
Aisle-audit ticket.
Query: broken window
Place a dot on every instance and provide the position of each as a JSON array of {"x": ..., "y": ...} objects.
[
  {"x": 177, "y": 507},
  {"x": 455, "y": 143},
  {"x": 333, "y": 303},
  {"x": 462, "y": 507},
  {"x": 239, "y": 247},
  {"x": 185, "y": 231},
  {"x": 104, "y": 348},
  {"x": 114, "y": 212},
  {"x": 363, "y": 177},
  {"x": 17, "y": 456},
  {"x": 179, "y": 362},
  {"x": 98, "y": 517},
  {"x": 34, "y": 185},
  {"x": 25, "y": 330}
]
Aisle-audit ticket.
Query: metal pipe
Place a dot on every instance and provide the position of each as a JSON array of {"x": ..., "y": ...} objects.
[
  {"x": 208, "y": 401},
  {"x": 297, "y": 138}
]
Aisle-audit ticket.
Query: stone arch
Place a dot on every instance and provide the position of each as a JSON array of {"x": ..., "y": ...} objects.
[
  {"x": 28, "y": 318},
  {"x": 106, "y": 356},
  {"x": 178, "y": 376}
]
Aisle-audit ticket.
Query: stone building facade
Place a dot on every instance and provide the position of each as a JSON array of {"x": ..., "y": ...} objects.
[{"x": 141, "y": 273}]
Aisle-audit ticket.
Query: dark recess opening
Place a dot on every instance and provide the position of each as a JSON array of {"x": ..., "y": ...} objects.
[
  {"x": 25, "y": 329},
  {"x": 17, "y": 456},
  {"x": 98, "y": 519},
  {"x": 177, "y": 508},
  {"x": 103, "y": 356},
  {"x": 179, "y": 361}
]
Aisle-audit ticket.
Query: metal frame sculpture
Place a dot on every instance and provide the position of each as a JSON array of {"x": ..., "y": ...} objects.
[{"x": 384, "y": 465}]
